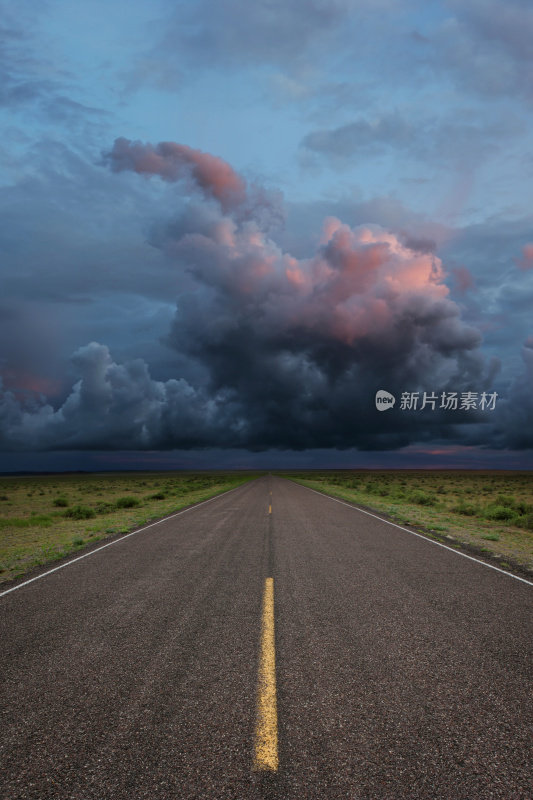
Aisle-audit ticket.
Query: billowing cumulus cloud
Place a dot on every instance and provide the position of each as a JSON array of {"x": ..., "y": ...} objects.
[
  {"x": 115, "y": 406},
  {"x": 303, "y": 344},
  {"x": 288, "y": 351}
]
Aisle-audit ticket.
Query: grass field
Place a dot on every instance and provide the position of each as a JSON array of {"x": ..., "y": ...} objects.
[
  {"x": 44, "y": 518},
  {"x": 490, "y": 512}
]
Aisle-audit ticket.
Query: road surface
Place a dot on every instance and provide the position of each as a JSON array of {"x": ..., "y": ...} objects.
[{"x": 401, "y": 669}]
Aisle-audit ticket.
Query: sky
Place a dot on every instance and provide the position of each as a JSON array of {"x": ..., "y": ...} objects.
[{"x": 229, "y": 229}]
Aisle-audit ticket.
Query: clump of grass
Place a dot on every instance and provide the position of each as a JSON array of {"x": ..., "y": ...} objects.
[
  {"x": 421, "y": 498},
  {"x": 499, "y": 512},
  {"x": 104, "y": 508},
  {"x": 80, "y": 512},
  {"x": 158, "y": 496},
  {"x": 127, "y": 502},
  {"x": 492, "y": 537},
  {"x": 61, "y": 502},
  {"x": 26, "y": 522},
  {"x": 78, "y": 541},
  {"x": 525, "y": 522},
  {"x": 505, "y": 500},
  {"x": 467, "y": 509},
  {"x": 4, "y": 497}
]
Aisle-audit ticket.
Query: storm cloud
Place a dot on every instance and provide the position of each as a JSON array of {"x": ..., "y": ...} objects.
[{"x": 289, "y": 351}]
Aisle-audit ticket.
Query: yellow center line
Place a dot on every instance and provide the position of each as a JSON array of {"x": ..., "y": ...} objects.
[
  {"x": 270, "y": 508},
  {"x": 266, "y": 731}
]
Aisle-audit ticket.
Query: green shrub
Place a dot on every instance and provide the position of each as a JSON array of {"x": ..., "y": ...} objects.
[
  {"x": 61, "y": 502},
  {"x": 80, "y": 512},
  {"x": 499, "y": 512},
  {"x": 158, "y": 496},
  {"x": 525, "y": 522},
  {"x": 127, "y": 502},
  {"x": 505, "y": 500},
  {"x": 421, "y": 498}
]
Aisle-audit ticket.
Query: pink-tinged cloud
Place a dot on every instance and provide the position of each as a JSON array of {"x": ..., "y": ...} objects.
[
  {"x": 526, "y": 262},
  {"x": 362, "y": 282},
  {"x": 174, "y": 162},
  {"x": 362, "y": 286}
]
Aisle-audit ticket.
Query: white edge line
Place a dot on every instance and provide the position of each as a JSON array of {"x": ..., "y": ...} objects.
[
  {"x": 115, "y": 541},
  {"x": 420, "y": 535}
]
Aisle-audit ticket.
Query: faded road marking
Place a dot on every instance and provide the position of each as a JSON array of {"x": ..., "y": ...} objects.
[{"x": 266, "y": 732}]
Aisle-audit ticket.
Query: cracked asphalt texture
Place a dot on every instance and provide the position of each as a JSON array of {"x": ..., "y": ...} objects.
[{"x": 403, "y": 670}]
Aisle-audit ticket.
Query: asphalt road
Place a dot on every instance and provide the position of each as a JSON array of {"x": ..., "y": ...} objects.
[{"x": 402, "y": 670}]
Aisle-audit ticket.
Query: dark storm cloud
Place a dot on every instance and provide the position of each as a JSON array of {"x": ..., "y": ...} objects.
[
  {"x": 514, "y": 425},
  {"x": 288, "y": 351},
  {"x": 113, "y": 406},
  {"x": 292, "y": 350},
  {"x": 501, "y": 303}
]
